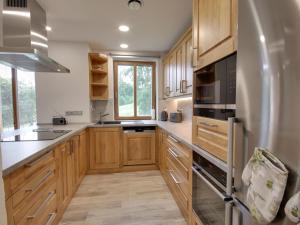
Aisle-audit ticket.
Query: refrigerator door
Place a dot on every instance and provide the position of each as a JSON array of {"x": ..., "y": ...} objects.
[{"x": 268, "y": 89}]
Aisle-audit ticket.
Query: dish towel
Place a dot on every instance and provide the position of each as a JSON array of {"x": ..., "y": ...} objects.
[
  {"x": 292, "y": 208},
  {"x": 266, "y": 178}
]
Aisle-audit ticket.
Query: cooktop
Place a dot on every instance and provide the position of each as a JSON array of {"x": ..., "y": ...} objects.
[{"x": 36, "y": 135}]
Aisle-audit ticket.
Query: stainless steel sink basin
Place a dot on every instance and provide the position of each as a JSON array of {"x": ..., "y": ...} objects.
[{"x": 108, "y": 122}]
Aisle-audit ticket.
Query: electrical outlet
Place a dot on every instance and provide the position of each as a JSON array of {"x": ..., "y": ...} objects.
[{"x": 74, "y": 113}]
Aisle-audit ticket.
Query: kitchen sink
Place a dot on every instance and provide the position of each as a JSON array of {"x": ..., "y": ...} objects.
[{"x": 108, "y": 122}]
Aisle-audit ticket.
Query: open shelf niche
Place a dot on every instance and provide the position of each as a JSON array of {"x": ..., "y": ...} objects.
[{"x": 98, "y": 76}]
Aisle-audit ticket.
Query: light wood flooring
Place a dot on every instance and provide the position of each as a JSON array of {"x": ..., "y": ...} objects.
[{"x": 135, "y": 198}]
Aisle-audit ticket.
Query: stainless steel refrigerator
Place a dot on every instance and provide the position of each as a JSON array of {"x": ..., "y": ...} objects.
[{"x": 268, "y": 92}]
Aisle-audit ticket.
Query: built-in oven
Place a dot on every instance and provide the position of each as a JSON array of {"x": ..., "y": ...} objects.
[
  {"x": 209, "y": 198},
  {"x": 215, "y": 89}
]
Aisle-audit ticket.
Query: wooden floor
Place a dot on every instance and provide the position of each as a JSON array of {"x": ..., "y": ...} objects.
[{"x": 136, "y": 198}]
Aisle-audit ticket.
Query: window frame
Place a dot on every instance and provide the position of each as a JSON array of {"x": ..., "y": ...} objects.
[
  {"x": 15, "y": 100},
  {"x": 116, "y": 91}
]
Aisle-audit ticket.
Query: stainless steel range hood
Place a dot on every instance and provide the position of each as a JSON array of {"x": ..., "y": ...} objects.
[{"x": 23, "y": 40}]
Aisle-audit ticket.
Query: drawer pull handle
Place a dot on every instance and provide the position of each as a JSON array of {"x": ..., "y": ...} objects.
[
  {"x": 49, "y": 173},
  {"x": 52, "y": 217},
  {"x": 173, "y": 153},
  {"x": 208, "y": 125},
  {"x": 173, "y": 177},
  {"x": 173, "y": 139},
  {"x": 37, "y": 212},
  {"x": 35, "y": 162}
]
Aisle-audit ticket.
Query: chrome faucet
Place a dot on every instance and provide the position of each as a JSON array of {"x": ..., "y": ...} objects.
[{"x": 102, "y": 116}]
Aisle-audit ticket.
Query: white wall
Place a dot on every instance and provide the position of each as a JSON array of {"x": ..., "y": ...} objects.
[{"x": 58, "y": 93}]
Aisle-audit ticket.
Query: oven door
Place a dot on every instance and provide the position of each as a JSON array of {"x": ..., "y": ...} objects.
[{"x": 210, "y": 202}]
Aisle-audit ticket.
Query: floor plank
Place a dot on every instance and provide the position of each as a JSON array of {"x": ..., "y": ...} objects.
[{"x": 135, "y": 198}]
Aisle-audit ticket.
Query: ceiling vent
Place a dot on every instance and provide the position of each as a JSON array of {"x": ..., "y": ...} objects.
[{"x": 16, "y": 3}]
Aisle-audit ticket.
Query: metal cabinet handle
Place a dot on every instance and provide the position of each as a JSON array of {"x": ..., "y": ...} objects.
[
  {"x": 40, "y": 183},
  {"x": 173, "y": 139},
  {"x": 35, "y": 162},
  {"x": 37, "y": 212},
  {"x": 173, "y": 153},
  {"x": 208, "y": 125},
  {"x": 51, "y": 218},
  {"x": 173, "y": 177}
]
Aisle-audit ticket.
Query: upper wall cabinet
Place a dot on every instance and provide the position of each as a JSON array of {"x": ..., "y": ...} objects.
[
  {"x": 214, "y": 30},
  {"x": 178, "y": 67}
]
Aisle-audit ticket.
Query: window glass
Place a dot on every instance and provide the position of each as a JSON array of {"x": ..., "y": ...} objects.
[
  {"x": 6, "y": 98},
  {"x": 144, "y": 90},
  {"x": 126, "y": 90},
  {"x": 26, "y": 98}
]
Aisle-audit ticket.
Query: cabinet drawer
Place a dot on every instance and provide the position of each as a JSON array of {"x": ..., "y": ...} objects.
[
  {"x": 180, "y": 151},
  {"x": 33, "y": 185},
  {"x": 211, "y": 135},
  {"x": 177, "y": 177},
  {"x": 28, "y": 204},
  {"x": 17, "y": 179},
  {"x": 44, "y": 212},
  {"x": 179, "y": 196}
]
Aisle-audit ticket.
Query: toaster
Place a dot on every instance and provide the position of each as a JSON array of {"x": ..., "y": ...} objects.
[{"x": 176, "y": 117}]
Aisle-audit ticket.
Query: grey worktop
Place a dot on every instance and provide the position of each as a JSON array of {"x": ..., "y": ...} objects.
[{"x": 16, "y": 154}]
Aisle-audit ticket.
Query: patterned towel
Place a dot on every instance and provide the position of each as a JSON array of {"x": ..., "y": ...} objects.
[
  {"x": 266, "y": 178},
  {"x": 292, "y": 208}
]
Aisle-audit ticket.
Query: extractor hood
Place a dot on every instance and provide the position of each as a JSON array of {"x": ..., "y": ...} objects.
[{"x": 23, "y": 40}]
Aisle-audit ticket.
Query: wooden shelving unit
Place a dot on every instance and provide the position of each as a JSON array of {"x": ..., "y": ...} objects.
[{"x": 98, "y": 76}]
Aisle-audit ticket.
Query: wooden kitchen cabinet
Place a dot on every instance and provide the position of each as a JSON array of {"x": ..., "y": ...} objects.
[
  {"x": 178, "y": 67},
  {"x": 214, "y": 30},
  {"x": 139, "y": 148},
  {"x": 83, "y": 153},
  {"x": 104, "y": 148}
]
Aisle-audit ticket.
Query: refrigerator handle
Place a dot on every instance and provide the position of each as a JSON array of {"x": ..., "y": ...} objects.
[{"x": 229, "y": 184}]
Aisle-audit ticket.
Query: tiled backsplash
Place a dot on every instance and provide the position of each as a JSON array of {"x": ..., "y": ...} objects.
[{"x": 172, "y": 105}]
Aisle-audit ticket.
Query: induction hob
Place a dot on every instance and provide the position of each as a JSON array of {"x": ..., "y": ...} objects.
[{"x": 36, "y": 135}]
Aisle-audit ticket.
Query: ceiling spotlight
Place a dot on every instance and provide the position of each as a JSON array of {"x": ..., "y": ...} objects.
[
  {"x": 124, "y": 45},
  {"x": 135, "y": 4},
  {"x": 48, "y": 28},
  {"x": 124, "y": 28}
]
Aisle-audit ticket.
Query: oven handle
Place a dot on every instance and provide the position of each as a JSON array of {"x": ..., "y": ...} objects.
[{"x": 224, "y": 197}]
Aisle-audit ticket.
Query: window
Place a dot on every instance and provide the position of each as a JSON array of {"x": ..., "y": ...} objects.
[
  {"x": 135, "y": 90},
  {"x": 18, "y": 98}
]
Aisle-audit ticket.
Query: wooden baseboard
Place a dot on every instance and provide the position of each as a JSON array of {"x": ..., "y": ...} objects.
[{"x": 124, "y": 169}]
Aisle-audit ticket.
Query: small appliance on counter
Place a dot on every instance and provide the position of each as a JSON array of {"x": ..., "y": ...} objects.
[
  {"x": 59, "y": 121},
  {"x": 164, "y": 115},
  {"x": 176, "y": 117}
]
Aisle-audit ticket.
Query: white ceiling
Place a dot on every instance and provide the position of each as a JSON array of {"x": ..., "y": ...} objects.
[{"x": 155, "y": 27}]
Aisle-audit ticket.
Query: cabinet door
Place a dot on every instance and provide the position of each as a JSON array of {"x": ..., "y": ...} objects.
[
  {"x": 173, "y": 74},
  {"x": 104, "y": 148},
  {"x": 189, "y": 65},
  {"x": 166, "y": 86},
  {"x": 217, "y": 26},
  {"x": 71, "y": 179},
  {"x": 82, "y": 154},
  {"x": 66, "y": 191},
  {"x": 179, "y": 68},
  {"x": 76, "y": 157},
  {"x": 139, "y": 148}
]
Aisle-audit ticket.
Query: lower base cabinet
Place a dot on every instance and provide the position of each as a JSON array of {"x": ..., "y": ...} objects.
[{"x": 139, "y": 148}]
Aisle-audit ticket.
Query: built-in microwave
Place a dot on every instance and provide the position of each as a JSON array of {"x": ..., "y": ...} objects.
[{"x": 215, "y": 89}]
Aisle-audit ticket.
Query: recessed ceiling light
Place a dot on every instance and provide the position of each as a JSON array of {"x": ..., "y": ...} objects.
[
  {"x": 124, "y": 28},
  {"x": 124, "y": 45},
  {"x": 135, "y": 4},
  {"x": 48, "y": 28}
]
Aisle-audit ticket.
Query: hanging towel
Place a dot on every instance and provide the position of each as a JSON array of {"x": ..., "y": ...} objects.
[
  {"x": 292, "y": 208},
  {"x": 266, "y": 178}
]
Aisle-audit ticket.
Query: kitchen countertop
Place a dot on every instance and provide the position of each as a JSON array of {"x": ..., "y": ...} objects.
[{"x": 16, "y": 154}]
